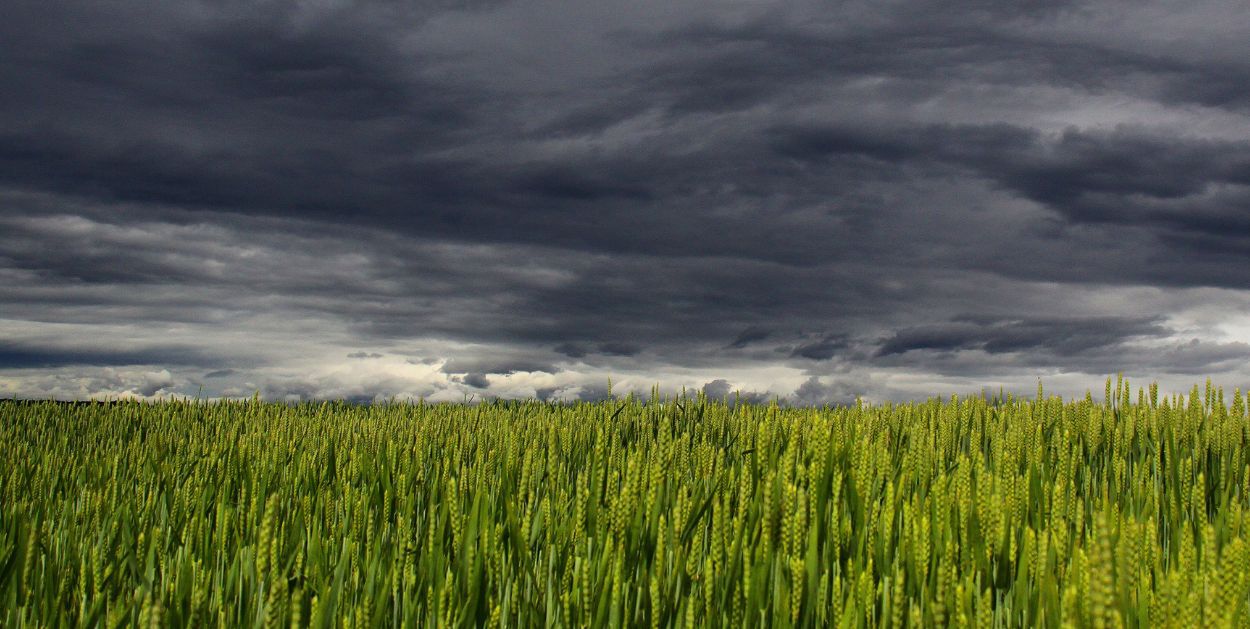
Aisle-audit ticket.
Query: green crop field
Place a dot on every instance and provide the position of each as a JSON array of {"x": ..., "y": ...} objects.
[{"x": 1128, "y": 511}]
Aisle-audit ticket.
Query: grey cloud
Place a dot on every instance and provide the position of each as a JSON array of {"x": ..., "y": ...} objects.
[
  {"x": 609, "y": 348},
  {"x": 96, "y": 383},
  {"x": 476, "y": 380},
  {"x": 25, "y": 355},
  {"x": 756, "y": 397},
  {"x": 997, "y": 336},
  {"x": 1174, "y": 187},
  {"x": 496, "y": 365},
  {"x": 154, "y": 382},
  {"x": 574, "y": 391},
  {"x": 618, "y": 349},
  {"x": 815, "y": 392},
  {"x": 593, "y": 392},
  {"x": 750, "y": 335},
  {"x": 1141, "y": 346},
  {"x": 810, "y": 189},
  {"x": 921, "y": 48},
  {"x": 1195, "y": 357},
  {"x": 328, "y": 388},
  {"x": 718, "y": 389},
  {"x": 572, "y": 350},
  {"x": 721, "y": 389},
  {"x": 1184, "y": 361},
  {"x": 823, "y": 348}
]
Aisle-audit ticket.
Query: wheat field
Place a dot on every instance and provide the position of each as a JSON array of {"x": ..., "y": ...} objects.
[{"x": 1129, "y": 511}]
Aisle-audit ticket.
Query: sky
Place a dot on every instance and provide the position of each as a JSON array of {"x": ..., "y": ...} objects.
[{"x": 464, "y": 200}]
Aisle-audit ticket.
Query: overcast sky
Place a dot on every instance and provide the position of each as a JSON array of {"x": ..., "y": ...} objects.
[{"x": 441, "y": 199}]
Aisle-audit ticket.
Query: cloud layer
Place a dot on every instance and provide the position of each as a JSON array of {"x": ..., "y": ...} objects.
[{"x": 812, "y": 201}]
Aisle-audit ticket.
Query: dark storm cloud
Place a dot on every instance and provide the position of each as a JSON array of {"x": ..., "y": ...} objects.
[
  {"x": 618, "y": 349},
  {"x": 1196, "y": 357},
  {"x": 523, "y": 190},
  {"x": 572, "y": 350},
  {"x": 973, "y": 344},
  {"x": 822, "y": 349},
  {"x": 1192, "y": 195},
  {"x": 720, "y": 66},
  {"x": 1186, "y": 359},
  {"x": 611, "y": 348},
  {"x": 750, "y": 335},
  {"x": 1131, "y": 178},
  {"x": 24, "y": 355},
  {"x": 332, "y": 117},
  {"x": 998, "y": 336},
  {"x": 272, "y": 115}
]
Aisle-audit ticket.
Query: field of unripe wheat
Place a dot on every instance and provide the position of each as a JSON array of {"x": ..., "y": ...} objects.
[{"x": 1129, "y": 511}]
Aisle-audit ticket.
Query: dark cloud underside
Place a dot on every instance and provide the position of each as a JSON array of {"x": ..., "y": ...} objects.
[
  {"x": 806, "y": 200},
  {"x": 17, "y": 355}
]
